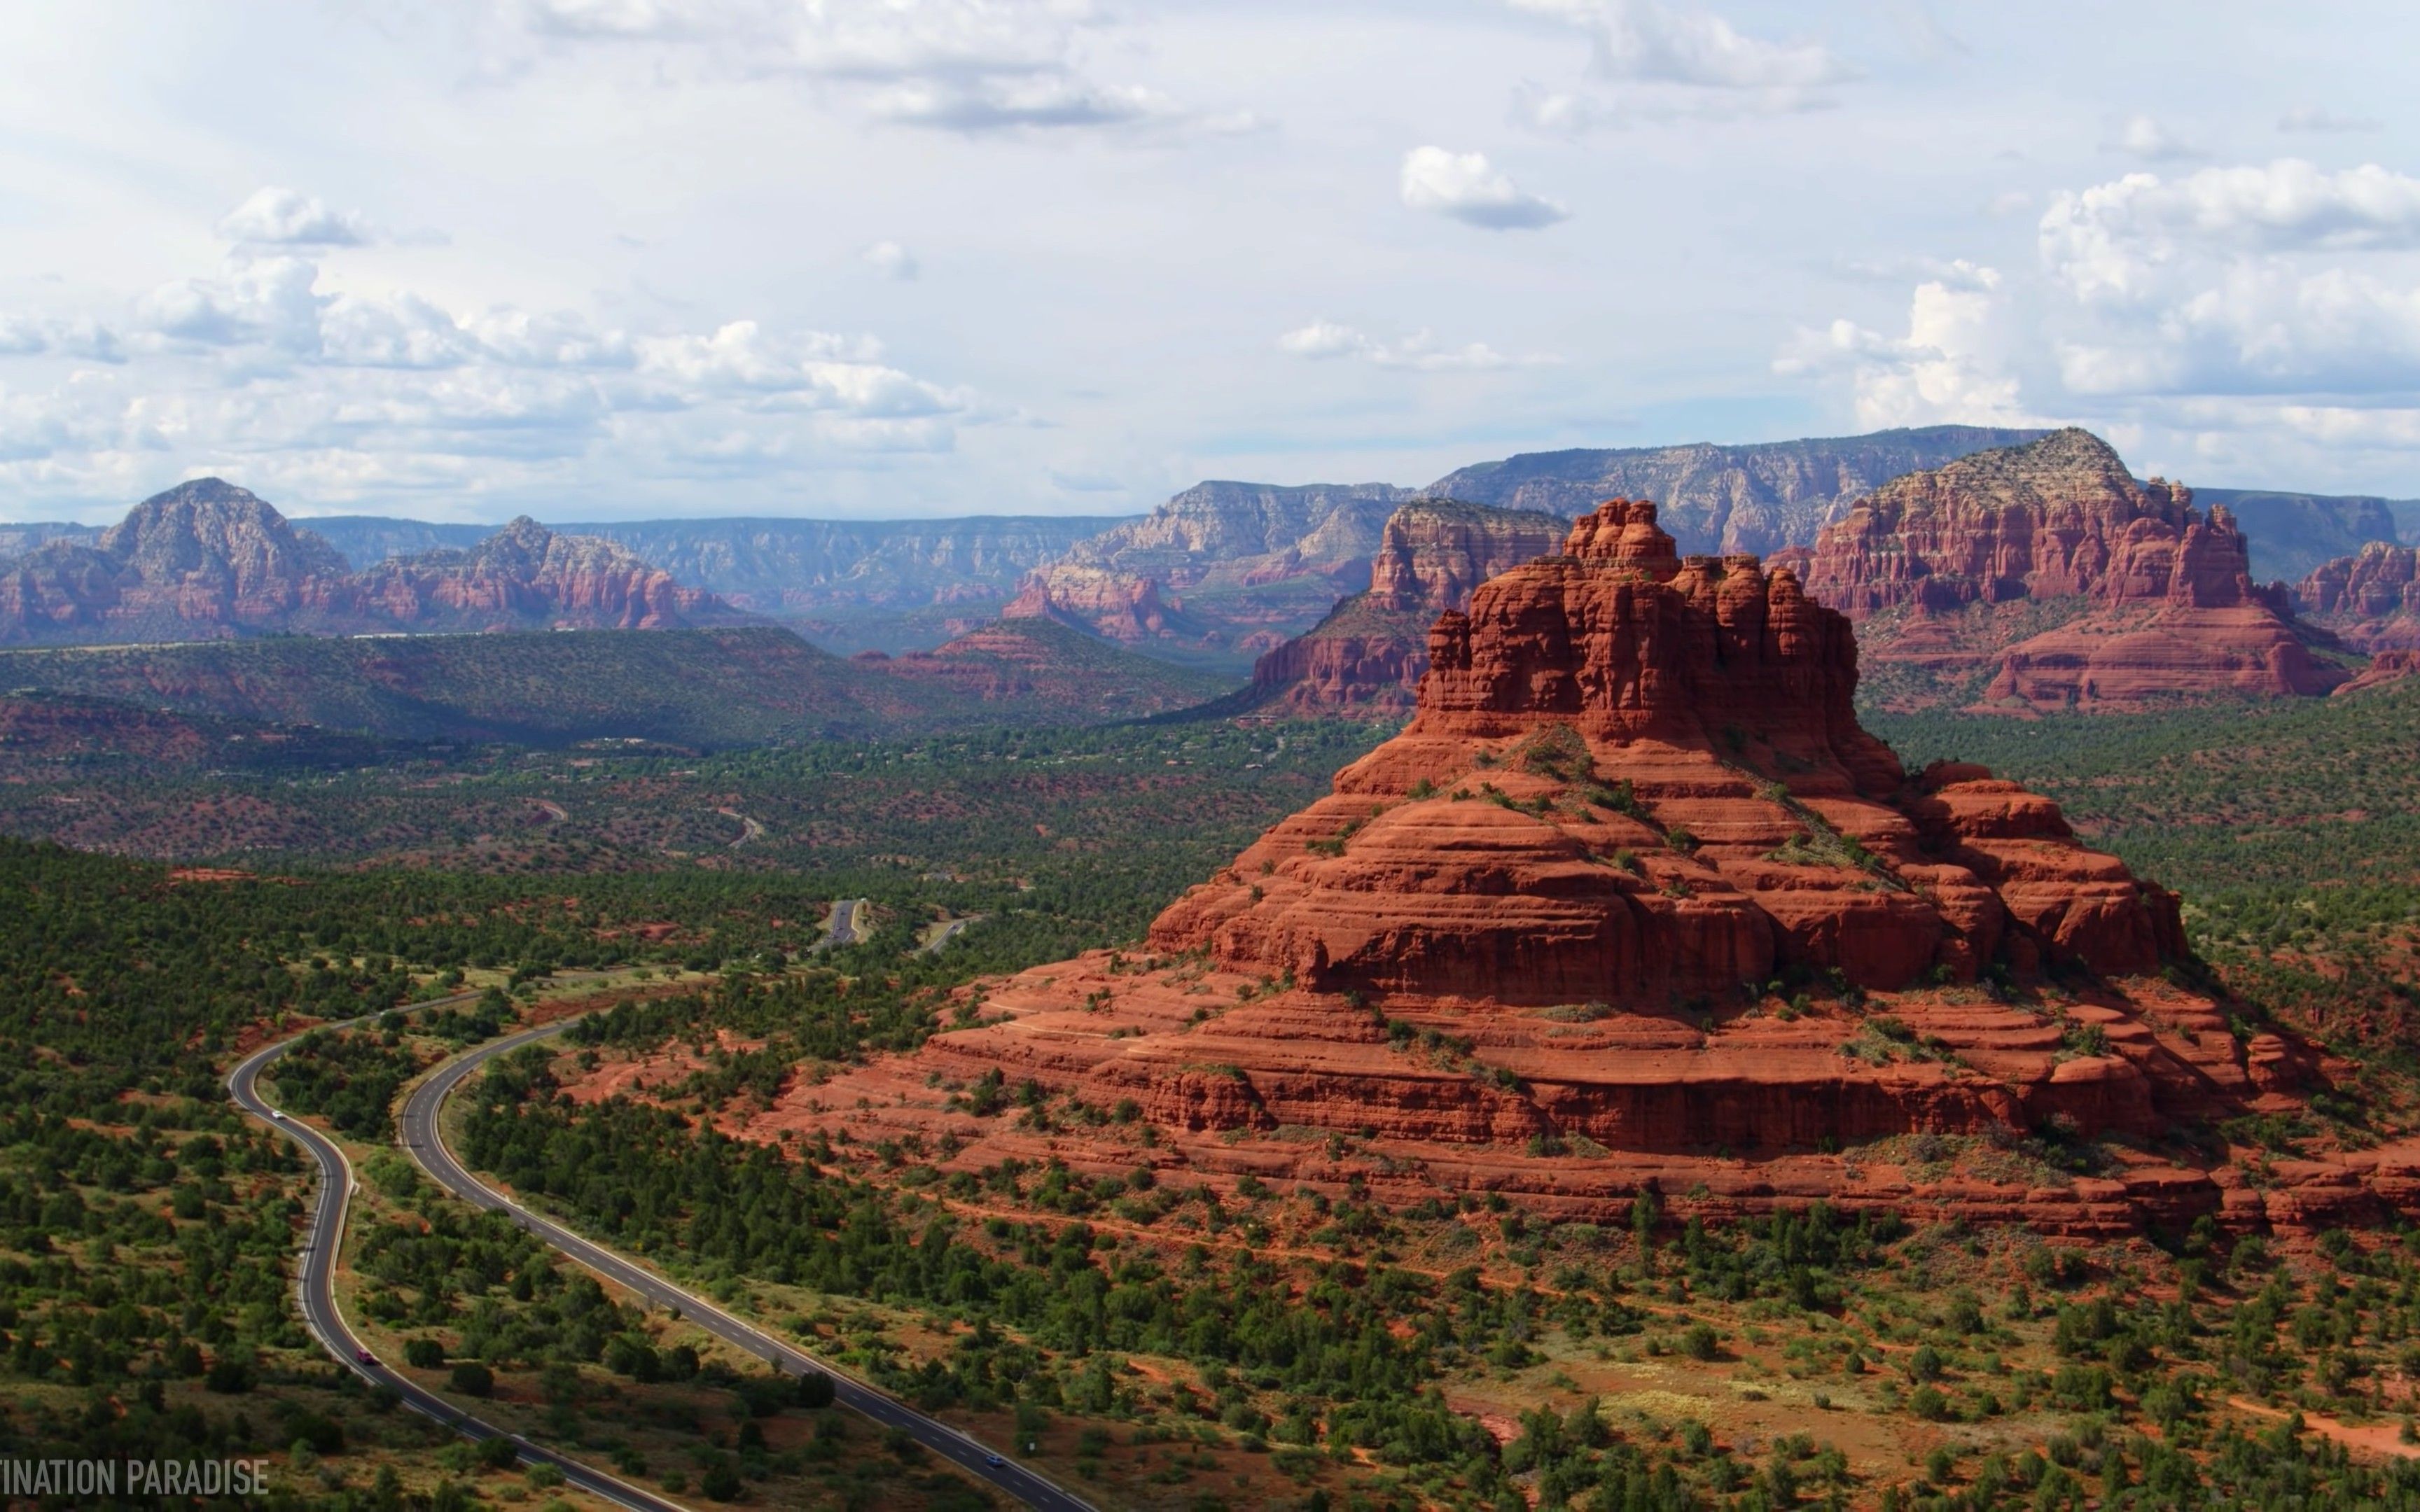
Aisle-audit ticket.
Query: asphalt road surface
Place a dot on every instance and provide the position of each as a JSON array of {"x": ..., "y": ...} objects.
[
  {"x": 417, "y": 1121},
  {"x": 845, "y": 926},
  {"x": 315, "y": 1282}
]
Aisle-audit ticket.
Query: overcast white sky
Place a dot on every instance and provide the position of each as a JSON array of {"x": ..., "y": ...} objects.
[{"x": 892, "y": 257}]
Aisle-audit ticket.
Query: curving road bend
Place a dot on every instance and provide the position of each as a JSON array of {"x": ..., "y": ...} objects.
[
  {"x": 416, "y": 1123},
  {"x": 316, "y": 1285}
]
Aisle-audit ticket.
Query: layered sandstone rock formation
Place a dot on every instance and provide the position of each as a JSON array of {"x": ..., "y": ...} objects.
[
  {"x": 1368, "y": 654},
  {"x": 1634, "y": 904},
  {"x": 2044, "y": 575},
  {"x": 205, "y": 557},
  {"x": 2370, "y": 600},
  {"x": 526, "y": 576},
  {"x": 1231, "y": 568},
  {"x": 2386, "y": 668},
  {"x": 208, "y": 560}
]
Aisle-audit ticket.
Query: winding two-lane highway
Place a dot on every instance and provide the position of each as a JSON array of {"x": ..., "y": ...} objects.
[
  {"x": 316, "y": 1284},
  {"x": 417, "y": 1125}
]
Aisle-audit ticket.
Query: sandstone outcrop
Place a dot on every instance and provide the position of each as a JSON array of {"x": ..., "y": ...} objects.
[
  {"x": 1368, "y": 654},
  {"x": 1634, "y": 903},
  {"x": 1223, "y": 567},
  {"x": 208, "y": 560},
  {"x": 204, "y": 559},
  {"x": 2044, "y": 576},
  {"x": 2370, "y": 600},
  {"x": 2386, "y": 668},
  {"x": 526, "y": 576}
]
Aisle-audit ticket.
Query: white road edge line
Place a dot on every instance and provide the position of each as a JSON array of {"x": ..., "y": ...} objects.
[
  {"x": 473, "y": 1059},
  {"x": 244, "y": 1077}
]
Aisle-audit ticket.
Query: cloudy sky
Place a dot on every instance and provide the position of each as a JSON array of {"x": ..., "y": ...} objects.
[{"x": 888, "y": 257}]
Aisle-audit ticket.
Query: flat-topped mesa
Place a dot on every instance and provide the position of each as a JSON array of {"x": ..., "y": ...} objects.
[
  {"x": 2049, "y": 572},
  {"x": 1638, "y": 778},
  {"x": 2058, "y": 519}
]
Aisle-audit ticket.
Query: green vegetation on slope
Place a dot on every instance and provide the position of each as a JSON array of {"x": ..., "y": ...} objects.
[
  {"x": 2291, "y": 828},
  {"x": 705, "y": 689}
]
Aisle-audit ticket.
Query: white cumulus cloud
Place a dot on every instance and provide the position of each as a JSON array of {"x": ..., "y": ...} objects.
[
  {"x": 272, "y": 368},
  {"x": 1647, "y": 61},
  {"x": 2244, "y": 314},
  {"x": 1954, "y": 365},
  {"x": 967, "y": 65},
  {"x": 2143, "y": 137},
  {"x": 891, "y": 260},
  {"x": 276, "y": 217},
  {"x": 1321, "y": 339},
  {"x": 2116, "y": 241},
  {"x": 1465, "y": 186}
]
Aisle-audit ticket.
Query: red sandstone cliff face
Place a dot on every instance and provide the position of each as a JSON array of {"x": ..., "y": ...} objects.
[
  {"x": 1694, "y": 719},
  {"x": 1367, "y": 657},
  {"x": 2371, "y": 600},
  {"x": 1100, "y": 602},
  {"x": 206, "y": 560},
  {"x": 526, "y": 576},
  {"x": 2386, "y": 668},
  {"x": 1634, "y": 888},
  {"x": 1260, "y": 562},
  {"x": 2046, "y": 573}
]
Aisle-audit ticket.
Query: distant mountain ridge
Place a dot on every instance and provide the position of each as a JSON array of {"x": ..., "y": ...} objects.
[
  {"x": 1227, "y": 570},
  {"x": 2292, "y": 534},
  {"x": 1235, "y": 569},
  {"x": 1756, "y": 497},
  {"x": 208, "y": 560},
  {"x": 791, "y": 568}
]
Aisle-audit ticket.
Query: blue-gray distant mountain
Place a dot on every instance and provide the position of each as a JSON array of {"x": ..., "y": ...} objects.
[
  {"x": 791, "y": 568},
  {"x": 2292, "y": 534},
  {"x": 1226, "y": 570},
  {"x": 1756, "y": 497},
  {"x": 210, "y": 561}
]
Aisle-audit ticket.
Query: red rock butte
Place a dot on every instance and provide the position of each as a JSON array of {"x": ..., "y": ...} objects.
[
  {"x": 2048, "y": 569},
  {"x": 1634, "y": 904}
]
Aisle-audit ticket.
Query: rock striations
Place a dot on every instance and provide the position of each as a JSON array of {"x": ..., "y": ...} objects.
[
  {"x": 2044, "y": 576},
  {"x": 1634, "y": 903},
  {"x": 526, "y": 576},
  {"x": 2372, "y": 599},
  {"x": 207, "y": 560},
  {"x": 1367, "y": 657},
  {"x": 1222, "y": 568}
]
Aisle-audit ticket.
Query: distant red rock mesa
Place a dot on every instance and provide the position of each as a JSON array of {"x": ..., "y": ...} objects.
[
  {"x": 1367, "y": 657},
  {"x": 2044, "y": 577},
  {"x": 1634, "y": 903},
  {"x": 2371, "y": 600}
]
